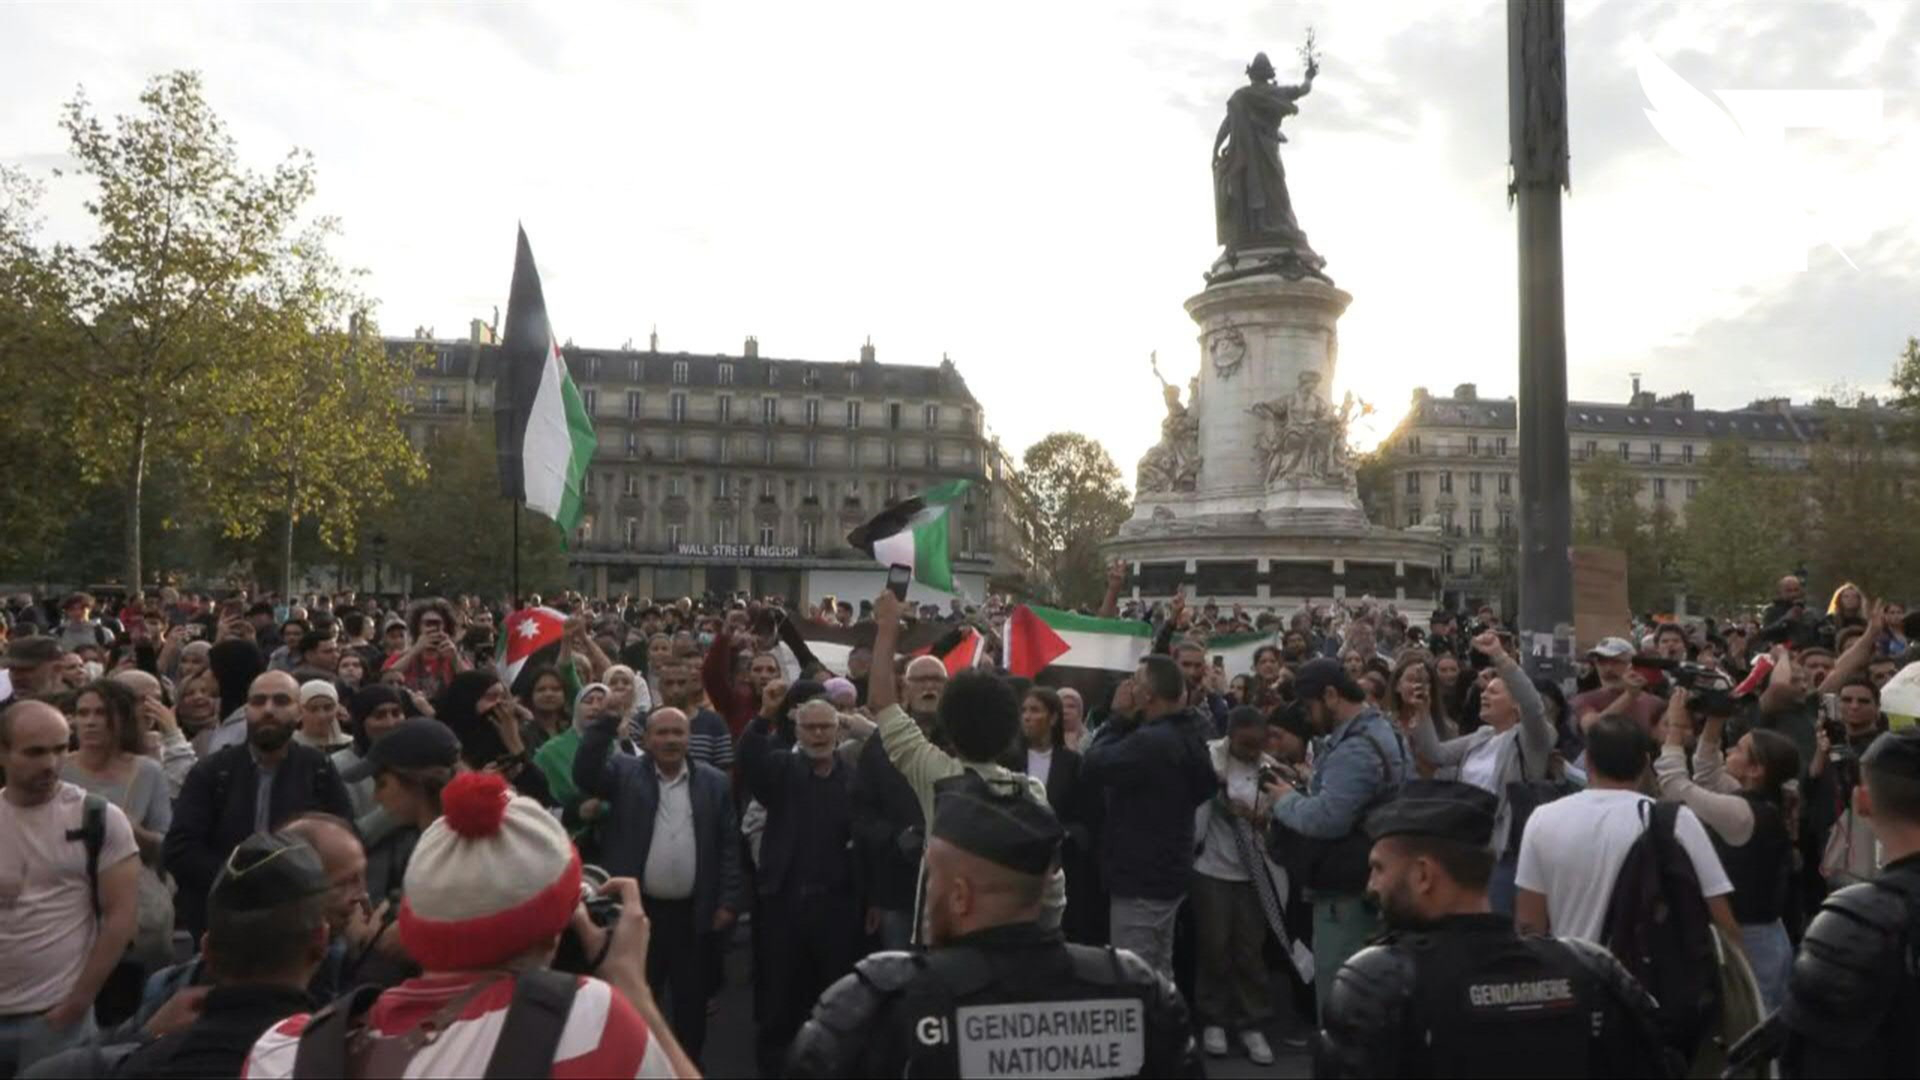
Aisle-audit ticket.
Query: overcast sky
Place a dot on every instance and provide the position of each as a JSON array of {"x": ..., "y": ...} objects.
[{"x": 1024, "y": 186}]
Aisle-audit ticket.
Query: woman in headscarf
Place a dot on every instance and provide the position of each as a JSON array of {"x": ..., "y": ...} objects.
[
  {"x": 373, "y": 712},
  {"x": 555, "y": 759},
  {"x": 481, "y": 713}
]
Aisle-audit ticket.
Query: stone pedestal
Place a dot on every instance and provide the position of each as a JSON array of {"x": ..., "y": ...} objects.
[{"x": 1237, "y": 537}]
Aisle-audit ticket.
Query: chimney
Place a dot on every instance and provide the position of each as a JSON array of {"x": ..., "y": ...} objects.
[
  {"x": 479, "y": 333},
  {"x": 866, "y": 352},
  {"x": 1466, "y": 391},
  {"x": 751, "y": 350},
  {"x": 653, "y": 340},
  {"x": 1636, "y": 386},
  {"x": 1419, "y": 394}
]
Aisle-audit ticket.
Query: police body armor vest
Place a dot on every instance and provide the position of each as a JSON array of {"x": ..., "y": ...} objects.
[
  {"x": 1516, "y": 1007},
  {"x": 966, "y": 1019}
]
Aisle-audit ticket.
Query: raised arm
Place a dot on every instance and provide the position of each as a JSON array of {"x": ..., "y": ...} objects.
[
  {"x": 716, "y": 670},
  {"x": 1728, "y": 815},
  {"x": 592, "y": 767},
  {"x": 1116, "y": 580},
  {"x": 1853, "y": 661}
]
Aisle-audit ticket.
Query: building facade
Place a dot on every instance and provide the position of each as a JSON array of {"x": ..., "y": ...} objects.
[
  {"x": 1452, "y": 464},
  {"x": 723, "y": 473}
]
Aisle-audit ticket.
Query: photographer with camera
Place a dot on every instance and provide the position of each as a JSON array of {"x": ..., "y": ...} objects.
[
  {"x": 492, "y": 887},
  {"x": 1749, "y": 803},
  {"x": 1835, "y": 836}
]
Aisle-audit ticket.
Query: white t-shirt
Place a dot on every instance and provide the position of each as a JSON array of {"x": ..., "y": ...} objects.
[
  {"x": 46, "y": 902},
  {"x": 1039, "y": 764},
  {"x": 1573, "y": 847}
]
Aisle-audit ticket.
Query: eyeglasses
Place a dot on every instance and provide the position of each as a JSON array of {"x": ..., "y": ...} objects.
[{"x": 261, "y": 701}]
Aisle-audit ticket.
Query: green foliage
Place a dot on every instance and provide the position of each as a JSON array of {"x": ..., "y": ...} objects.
[
  {"x": 1906, "y": 377},
  {"x": 453, "y": 532},
  {"x": 1738, "y": 538},
  {"x": 1607, "y": 513},
  {"x": 203, "y": 326},
  {"x": 1859, "y": 497},
  {"x": 1069, "y": 499}
]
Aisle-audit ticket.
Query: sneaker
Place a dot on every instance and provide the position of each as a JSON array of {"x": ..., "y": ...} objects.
[
  {"x": 1258, "y": 1051},
  {"x": 1294, "y": 1039},
  {"x": 1215, "y": 1041}
]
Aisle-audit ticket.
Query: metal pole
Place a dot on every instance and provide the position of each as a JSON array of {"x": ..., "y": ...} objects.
[
  {"x": 514, "y": 506},
  {"x": 1537, "y": 130}
]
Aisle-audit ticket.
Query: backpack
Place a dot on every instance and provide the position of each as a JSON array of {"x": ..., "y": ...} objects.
[
  {"x": 335, "y": 1040},
  {"x": 92, "y": 833},
  {"x": 1657, "y": 926}
]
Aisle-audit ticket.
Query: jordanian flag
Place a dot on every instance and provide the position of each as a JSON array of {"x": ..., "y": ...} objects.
[
  {"x": 918, "y": 533},
  {"x": 544, "y": 436},
  {"x": 1048, "y": 639},
  {"x": 533, "y": 640}
]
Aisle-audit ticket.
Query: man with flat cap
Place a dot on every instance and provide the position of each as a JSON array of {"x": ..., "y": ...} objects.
[
  {"x": 1855, "y": 987},
  {"x": 1452, "y": 989},
  {"x": 997, "y": 993}
]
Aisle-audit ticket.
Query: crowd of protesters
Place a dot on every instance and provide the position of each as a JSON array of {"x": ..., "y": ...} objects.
[{"x": 222, "y": 814}]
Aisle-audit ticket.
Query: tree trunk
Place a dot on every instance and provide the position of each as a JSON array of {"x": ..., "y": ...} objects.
[
  {"x": 287, "y": 577},
  {"x": 136, "y": 482}
]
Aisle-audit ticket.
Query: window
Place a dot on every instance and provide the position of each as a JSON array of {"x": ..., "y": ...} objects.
[
  {"x": 1592, "y": 451},
  {"x": 853, "y": 414},
  {"x": 723, "y": 530},
  {"x": 1506, "y": 483},
  {"x": 443, "y": 361},
  {"x": 966, "y": 454},
  {"x": 635, "y": 405},
  {"x": 1659, "y": 489},
  {"x": 813, "y": 489},
  {"x": 966, "y": 418},
  {"x": 721, "y": 486},
  {"x": 853, "y": 452},
  {"x": 933, "y": 454},
  {"x": 1446, "y": 523},
  {"x": 893, "y": 490},
  {"x": 933, "y": 416},
  {"x": 726, "y": 450},
  {"x": 1473, "y": 561},
  {"x": 677, "y": 408},
  {"x": 633, "y": 444},
  {"x": 773, "y": 375},
  {"x": 1686, "y": 453},
  {"x": 677, "y": 447},
  {"x": 591, "y": 399},
  {"x": 1473, "y": 445},
  {"x": 893, "y": 455},
  {"x": 1473, "y": 483},
  {"x": 1413, "y": 444},
  {"x": 966, "y": 539},
  {"x": 1500, "y": 446},
  {"x": 1506, "y": 522},
  {"x": 723, "y": 409},
  {"x": 1413, "y": 483},
  {"x": 1473, "y": 522},
  {"x": 1693, "y": 488},
  {"x": 680, "y": 372},
  {"x": 1653, "y": 453},
  {"x": 1413, "y": 516},
  {"x": 630, "y": 484},
  {"x": 1626, "y": 451},
  {"x": 1446, "y": 561},
  {"x": 593, "y": 367},
  {"x": 634, "y": 370},
  {"x": 439, "y": 400},
  {"x": 673, "y": 534},
  {"x": 633, "y": 532},
  {"x": 893, "y": 416},
  {"x": 809, "y": 535},
  {"x": 726, "y": 374},
  {"x": 766, "y": 536},
  {"x": 769, "y": 410},
  {"x": 676, "y": 486},
  {"x": 1446, "y": 482},
  {"x": 766, "y": 450},
  {"x": 813, "y": 412},
  {"x": 586, "y": 530},
  {"x": 813, "y": 453},
  {"x": 767, "y": 486}
]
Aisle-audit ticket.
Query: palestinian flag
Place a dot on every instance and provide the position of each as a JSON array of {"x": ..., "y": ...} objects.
[
  {"x": 917, "y": 532},
  {"x": 1043, "y": 638},
  {"x": 542, "y": 430},
  {"x": 831, "y": 644},
  {"x": 533, "y": 640}
]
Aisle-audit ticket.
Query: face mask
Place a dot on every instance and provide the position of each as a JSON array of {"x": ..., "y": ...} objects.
[
  {"x": 93, "y": 669},
  {"x": 706, "y": 639}
]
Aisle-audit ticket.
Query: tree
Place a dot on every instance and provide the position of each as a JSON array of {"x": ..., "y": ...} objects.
[
  {"x": 1858, "y": 505},
  {"x": 452, "y": 531},
  {"x": 1607, "y": 513},
  {"x": 173, "y": 321},
  {"x": 1737, "y": 539},
  {"x": 1070, "y": 499},
  {"x": 1906, "y": 377}
]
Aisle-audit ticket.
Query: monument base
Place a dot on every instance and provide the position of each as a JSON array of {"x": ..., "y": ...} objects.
[{"x": 1279, "y": 560}]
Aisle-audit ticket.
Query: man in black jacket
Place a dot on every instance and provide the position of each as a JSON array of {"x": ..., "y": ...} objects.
[
  {"x": 808, "y": 913},
  {"x": 671, "y": 828},
  {"x": 1156, "y": 771},
  {"x": 242, "y": 790}
]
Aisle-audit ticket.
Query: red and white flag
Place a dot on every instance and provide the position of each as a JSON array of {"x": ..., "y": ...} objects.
[{"x": 532, "y": 634}]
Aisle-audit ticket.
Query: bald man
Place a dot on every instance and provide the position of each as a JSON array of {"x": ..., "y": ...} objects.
[
  {"x": 55, "y": 952},
  {"x": 669, "y": 823},
  {"x": 240, "y": 790}
]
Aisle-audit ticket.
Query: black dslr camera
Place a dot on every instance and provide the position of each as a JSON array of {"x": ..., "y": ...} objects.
[
  {"x": 1709, "y": 690},
  {"x": 603, "y": 910}
]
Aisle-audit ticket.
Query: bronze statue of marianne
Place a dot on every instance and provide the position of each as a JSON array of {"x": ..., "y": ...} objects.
[{"x": 1253, "y": 211}]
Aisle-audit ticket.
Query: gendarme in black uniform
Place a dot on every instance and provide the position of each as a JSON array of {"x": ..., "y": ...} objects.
[
  {"x": 1853, "y": 1003},
  {"x": 1008, "y": 1000},
  {"x": 1466, "y": 995}
]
